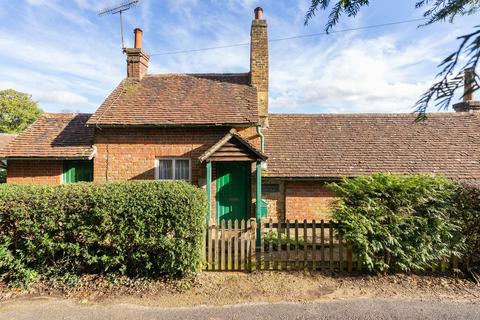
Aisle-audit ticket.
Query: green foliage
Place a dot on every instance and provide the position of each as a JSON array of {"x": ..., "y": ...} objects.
[
  {"x": 438, "y": 10},
  {"x": 17, "y": 111},
  {"x": 136, "y": 228},
  {"x": 3, "y": 175},
  {"x": 406, "y": 222},
  {"x": 468, "y": 202},
  {"x": 273, "y": 238}
]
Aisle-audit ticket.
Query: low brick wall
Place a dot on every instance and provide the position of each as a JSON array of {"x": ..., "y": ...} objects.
[{"x": 35, "y": 171}]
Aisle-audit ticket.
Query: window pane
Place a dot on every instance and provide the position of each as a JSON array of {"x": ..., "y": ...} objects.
[
  {"x": 182, "y": 170},
  {"x": 165, "y": 169}
]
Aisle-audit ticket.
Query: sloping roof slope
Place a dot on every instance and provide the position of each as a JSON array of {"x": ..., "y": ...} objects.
[
  {"x": 180, "y": 99},
  {"x": 326, "y": 146},
  {"x": 54, "y": 135},
  {"x": 5, "y": 139}
]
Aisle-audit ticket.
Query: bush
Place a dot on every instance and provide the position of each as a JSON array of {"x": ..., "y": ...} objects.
[
  {"x": 406, "y": 222},
  {"x": 137, "y": 228},
  {"x": 468, "y": 202}
]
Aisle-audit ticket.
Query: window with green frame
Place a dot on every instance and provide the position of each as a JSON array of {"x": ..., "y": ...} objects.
[{"x": 77, "y": 171}]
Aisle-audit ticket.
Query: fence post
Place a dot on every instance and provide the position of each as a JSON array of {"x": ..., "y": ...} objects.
[
  {"x": 279, "y": 245},
  {"x": 242, "y": 246},
  {"x": 261, "y": 264},
  {"x": 253, "y": 242},
  {"x": 235, "y": 245},
  {"x": 330, "y": 236},
  {"x": 209, "y": 246}
]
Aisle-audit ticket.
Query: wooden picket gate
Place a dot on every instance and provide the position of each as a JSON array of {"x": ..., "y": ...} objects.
[{"x": 230, "y": 246}]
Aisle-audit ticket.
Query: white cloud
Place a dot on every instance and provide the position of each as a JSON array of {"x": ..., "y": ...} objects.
[
  {"x": 352, "y": 75},
  {"x": 61, "y": 97}
]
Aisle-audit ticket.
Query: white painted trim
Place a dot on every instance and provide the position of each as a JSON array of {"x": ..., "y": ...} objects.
[{"x": 157, "y": 173}]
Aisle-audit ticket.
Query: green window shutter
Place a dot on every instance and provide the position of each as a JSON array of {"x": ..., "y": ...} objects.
[{"x": 76, "y": 171}]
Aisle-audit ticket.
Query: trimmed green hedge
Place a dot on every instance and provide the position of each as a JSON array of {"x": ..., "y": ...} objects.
[
  {"x": 136, "y": 228},
  {"x": 468, "y": 202},
  {"x": 404, "y": 222}
]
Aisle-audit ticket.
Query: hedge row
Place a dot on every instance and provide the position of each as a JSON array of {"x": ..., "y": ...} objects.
[
  {"x": 138, "y": 228},
  {"x": 408, "y": 222}
]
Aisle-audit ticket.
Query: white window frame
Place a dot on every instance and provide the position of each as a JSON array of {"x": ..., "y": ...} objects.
[{"x": 174, "y": 160}]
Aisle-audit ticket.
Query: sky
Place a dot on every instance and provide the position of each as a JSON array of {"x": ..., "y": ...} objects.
[{"x": 69, "y": 59}]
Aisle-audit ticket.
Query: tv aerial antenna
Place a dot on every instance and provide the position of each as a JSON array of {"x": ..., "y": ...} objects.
[{"x": 119, "y": 8}]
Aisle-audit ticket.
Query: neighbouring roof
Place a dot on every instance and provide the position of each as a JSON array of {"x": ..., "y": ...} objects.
[
  {"x": 180, "y": 99},
  {"x": 233, "y": 146},
  {"x": 53, "y": 135},
  {"x": 331, "y": 146},
  {"x": 5, "y": 139}
]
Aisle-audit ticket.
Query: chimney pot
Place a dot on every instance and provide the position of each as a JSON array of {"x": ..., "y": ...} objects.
[
  {"x": 138, "y": 37},
  {"x": 469, "y": 78},
  {"x": 137, "y": 59},
  {"x": 258, "y": 13}
]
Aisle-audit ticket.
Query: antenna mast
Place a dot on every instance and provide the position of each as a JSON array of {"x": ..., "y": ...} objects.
[{"x": 124, "y": 6}]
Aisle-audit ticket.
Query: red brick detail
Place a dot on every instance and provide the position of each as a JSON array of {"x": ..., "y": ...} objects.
[
  {"x": 307, "y": 200},
  {"x": 137, "y": 63},
  {"x": 130, "y": 153},
  {"x": 35, "y": 171}
]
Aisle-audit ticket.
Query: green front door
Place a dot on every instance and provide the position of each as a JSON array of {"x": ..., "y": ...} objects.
[
  {"x": 77, "y": 170},
  {"x": 233, "y": 191}
]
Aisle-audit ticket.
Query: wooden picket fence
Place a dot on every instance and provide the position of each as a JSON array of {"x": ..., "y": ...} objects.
[
  {"x": 283, "y": 245},
  {"x": 304, "y": 245},
  {"x": 289, "y": 245}
]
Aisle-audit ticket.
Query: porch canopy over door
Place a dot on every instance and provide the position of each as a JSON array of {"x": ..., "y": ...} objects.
[{"x": 233, "y": 152}]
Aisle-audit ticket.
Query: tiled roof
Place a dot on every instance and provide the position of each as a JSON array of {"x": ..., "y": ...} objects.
[
  {"x": 180, "y": 99},
  {"x": 53, "y": 135},
  {"x": 325, "y": 146},
  {"x": 5, "y": 139}
]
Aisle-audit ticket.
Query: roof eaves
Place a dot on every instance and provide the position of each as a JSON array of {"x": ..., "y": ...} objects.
[
  {"x": 231, "y": 134},
  {"x": 171, "y": 125}
]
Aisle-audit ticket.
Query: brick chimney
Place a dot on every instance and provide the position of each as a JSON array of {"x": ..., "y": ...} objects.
[
  {"x": 137, "y": 59},
  {"x": 468, "y": 104},
  {"x": 259, "y": 63}
]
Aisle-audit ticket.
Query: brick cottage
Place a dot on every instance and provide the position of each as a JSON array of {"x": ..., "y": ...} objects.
[{"x": 214, "y": 130}]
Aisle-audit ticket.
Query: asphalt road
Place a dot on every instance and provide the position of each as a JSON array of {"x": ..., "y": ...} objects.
[{"x": 339, "y": 309}]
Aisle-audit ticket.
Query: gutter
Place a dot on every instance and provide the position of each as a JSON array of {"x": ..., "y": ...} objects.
[
  {"x": 47, "y": 158},
  {"x": 262, "y": 138},
  {"x": 173, "y": 125}
]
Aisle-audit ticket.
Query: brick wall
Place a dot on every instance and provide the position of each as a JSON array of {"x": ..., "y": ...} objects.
[
  {"x": 35, "y": 171},
  {"x": 130, "y": 153},
  {"x": 307, "y": 200},
  {"x": 127, "y": 154}
]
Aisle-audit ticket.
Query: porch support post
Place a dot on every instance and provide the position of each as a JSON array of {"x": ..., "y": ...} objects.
[
  {"x": 258, "y": 207},
  {"x": 209, "y": 191},
  {"x": 259, "y": 191}
]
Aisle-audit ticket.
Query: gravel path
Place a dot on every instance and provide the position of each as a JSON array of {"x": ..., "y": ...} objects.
[{"x": 339, "y": 309}]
